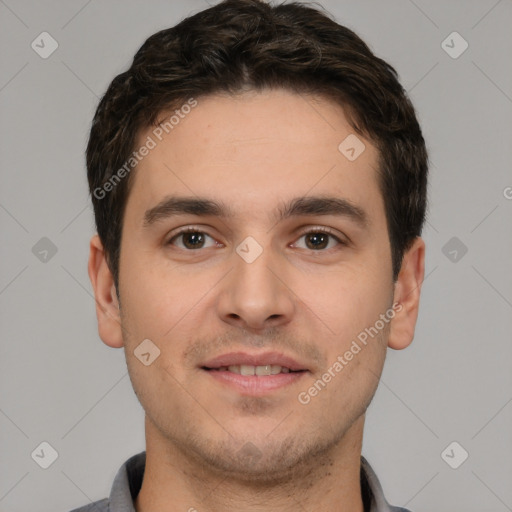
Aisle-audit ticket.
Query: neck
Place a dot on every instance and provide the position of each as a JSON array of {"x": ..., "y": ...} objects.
[{"x": 176, "y": 481}]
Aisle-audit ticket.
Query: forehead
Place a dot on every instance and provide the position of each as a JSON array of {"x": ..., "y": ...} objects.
[{"x": 253, "y": 150}]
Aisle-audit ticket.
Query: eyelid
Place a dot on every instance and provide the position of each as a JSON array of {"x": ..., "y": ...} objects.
[
  {"x": 187, "y": 229},
  {"x": 342, "y": 240}
]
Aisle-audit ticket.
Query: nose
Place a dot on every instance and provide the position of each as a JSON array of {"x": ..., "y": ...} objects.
[{"x": 256, "y": 296}]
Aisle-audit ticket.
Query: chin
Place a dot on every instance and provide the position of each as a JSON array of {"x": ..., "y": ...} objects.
[{"x": 262, "y": 463}]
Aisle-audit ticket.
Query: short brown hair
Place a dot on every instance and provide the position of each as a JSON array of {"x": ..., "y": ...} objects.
[{"x": 248, "y": 44}]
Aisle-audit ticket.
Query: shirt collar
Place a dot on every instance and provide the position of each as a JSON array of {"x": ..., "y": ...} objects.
[{"x": 128, "y": 482}]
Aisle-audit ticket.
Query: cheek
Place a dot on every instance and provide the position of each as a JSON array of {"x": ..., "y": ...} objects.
[
  {"x": 163, "y": 303},
  {"x": 148, "y": 292},
  {"x": 348, "y": 300}
]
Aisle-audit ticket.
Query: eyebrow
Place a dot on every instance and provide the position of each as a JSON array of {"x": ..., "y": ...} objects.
[{"x": 300, "y": 206}]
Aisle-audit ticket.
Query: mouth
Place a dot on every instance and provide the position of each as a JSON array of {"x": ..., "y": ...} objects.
[
  {"x": 255, "y": 374},
  {"x": 246, "y": 369}
]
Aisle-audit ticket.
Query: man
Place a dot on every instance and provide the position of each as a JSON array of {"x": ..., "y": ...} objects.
[{"x": 259, "y": 186}]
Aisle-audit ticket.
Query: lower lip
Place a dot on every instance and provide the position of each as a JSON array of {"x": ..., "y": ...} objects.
[{"x": 255, "y": 385}]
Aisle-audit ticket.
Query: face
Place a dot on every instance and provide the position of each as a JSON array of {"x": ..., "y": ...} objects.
[{"x": 252, "y": 244}]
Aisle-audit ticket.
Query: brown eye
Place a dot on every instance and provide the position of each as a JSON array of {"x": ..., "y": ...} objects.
[
  {"x": 191, "y": 239},
  {"x": 319, "y": 239}
]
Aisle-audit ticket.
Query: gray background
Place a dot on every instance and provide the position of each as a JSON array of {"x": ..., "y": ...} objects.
[{"x": 62, "y": 385}]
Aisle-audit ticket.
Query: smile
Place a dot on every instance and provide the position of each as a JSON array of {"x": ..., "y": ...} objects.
[
  {"x": 255, "y": 374},
  {"x": 246, "y": 369}
]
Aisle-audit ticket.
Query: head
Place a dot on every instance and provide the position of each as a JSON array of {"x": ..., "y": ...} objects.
[{"x": 232, "y": 125}]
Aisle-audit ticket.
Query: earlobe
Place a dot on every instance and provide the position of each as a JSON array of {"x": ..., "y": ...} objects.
[
  {"x": 107, "y": 305},
  {"x": 407, "y": 295}
]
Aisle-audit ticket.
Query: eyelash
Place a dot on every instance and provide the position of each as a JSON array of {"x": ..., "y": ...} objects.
[{"x": 327, "y": 231}]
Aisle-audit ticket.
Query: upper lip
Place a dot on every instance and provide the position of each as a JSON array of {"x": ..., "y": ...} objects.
[{"x": 262, "y": 359}]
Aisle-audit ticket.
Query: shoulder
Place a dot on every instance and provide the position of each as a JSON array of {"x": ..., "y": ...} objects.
[
  {"x": 370, "y": 485},
  {"x": 97, "y": 506}
]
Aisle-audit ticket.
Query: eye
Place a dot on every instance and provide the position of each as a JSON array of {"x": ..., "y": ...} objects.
[
  {"x": 319, "y": 239},
  {"x": 191, "y": 239}
]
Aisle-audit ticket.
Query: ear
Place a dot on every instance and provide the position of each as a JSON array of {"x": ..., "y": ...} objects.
[
  {"x": 407, "y": 296},
  {"x": 107, "y": 305}
]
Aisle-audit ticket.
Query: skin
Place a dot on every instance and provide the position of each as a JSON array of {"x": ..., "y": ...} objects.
[{"x": 255, "y": 151}]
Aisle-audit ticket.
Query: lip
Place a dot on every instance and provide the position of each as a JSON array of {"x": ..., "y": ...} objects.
[
  {"x": 266, "y": 358},
  {"x": 254, "y": 385}
]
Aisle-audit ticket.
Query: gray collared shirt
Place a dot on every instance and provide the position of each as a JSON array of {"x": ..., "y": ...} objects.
[{"x": 128, "y": 482}]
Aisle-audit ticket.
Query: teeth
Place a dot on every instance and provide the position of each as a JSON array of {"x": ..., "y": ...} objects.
[
  {"x": 263, "y": 370},
  {"x": 275, "y": 369},
  {"x": 245, "y": 369}
]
